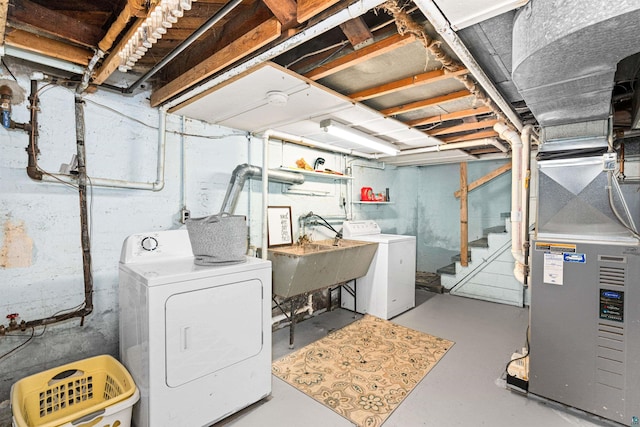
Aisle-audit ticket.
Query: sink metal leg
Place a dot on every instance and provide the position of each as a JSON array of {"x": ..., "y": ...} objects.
[{"x": 293, "y": 322}]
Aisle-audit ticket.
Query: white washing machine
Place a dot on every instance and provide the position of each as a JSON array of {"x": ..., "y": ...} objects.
[
  {"x": 388, "y": 289},
  {"x": 197, "y": 340}
]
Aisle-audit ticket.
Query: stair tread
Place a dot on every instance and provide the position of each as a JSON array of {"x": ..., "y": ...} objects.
[
  {"x": 482, "y": 242},
  {"x": 429, "y": 281},
  {"x": 496, "y": 229},
  {"x": 447, "y": 269},
  {"x": 457, "y": 257}
]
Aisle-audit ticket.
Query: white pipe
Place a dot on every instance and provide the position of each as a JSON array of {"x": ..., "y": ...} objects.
[
  {"x": 315, "y": 144},
  {"x": 512, "y": 136},
  {"x": 265, "y": 191},
  {"x": 452, "y": 146},
  {"x": 520, "y": 158},
  {"x": 118, "y": 183},
  {"x": 353, "y": 11},
  {"x": 443, "y": 27}
]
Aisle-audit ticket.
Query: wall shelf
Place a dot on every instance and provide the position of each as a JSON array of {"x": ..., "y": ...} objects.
[
  {"x": 373, "y": 203},
  {"x": 316, "y": 174}
]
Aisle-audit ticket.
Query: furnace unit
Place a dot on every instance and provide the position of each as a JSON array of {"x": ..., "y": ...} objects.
[{"x": 585, "y": 293}]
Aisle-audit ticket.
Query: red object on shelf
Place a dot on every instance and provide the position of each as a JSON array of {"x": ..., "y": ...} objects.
[{"x": 366, "y": 194}]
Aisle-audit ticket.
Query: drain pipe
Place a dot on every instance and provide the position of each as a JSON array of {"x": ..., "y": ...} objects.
[
  {"x": 34, "y": 171},
  {"x": 454, "y": 146},
  {"x": 520, "y": 176},
  {"x": 84, "y": 217},
  {"x": 443, "y": 27},
  {"x": 265, "y": 193},
  {"x": 219, "y": 15},
  {"x": 87, "y": 307}
]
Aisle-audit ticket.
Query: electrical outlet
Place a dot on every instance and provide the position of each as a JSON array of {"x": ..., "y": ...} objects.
[{"x": 184, "y": 215}]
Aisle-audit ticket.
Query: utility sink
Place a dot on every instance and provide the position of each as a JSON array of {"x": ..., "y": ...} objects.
[{"x": 298, "y": 269}]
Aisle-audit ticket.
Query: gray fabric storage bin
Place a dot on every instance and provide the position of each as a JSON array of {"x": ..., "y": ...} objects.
[{"x": 218, "y": 239}]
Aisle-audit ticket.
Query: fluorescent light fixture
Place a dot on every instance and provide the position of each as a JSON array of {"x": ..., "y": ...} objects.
[{"x": 352, "y": 135}]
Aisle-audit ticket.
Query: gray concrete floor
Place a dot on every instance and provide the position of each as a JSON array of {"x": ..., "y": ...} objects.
[{"x": 465, "y": 388}]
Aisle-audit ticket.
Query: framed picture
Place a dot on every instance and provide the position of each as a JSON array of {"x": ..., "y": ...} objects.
[{"x": 279, "y": 226}]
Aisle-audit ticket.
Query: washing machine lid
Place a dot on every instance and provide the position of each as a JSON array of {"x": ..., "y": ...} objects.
[{"x": 181, "y": 269}]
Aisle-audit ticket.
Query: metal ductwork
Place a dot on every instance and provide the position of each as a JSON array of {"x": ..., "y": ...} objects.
[
  {"x": 244, "y": 171},
  {"x": 565, "y": 55}
]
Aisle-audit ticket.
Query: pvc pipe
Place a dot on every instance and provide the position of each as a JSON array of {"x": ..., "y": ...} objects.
[
  {"x": 352, "y": 11},
  {"x": 452, "y": 146},
  {"x": 512, "y": 136},
  {"x": 117, "y": 183},
  {"x": 443, "y": 27},
  {"x": 265, "y": 192}
]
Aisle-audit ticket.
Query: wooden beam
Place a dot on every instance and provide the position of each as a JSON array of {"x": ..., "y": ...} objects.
[
  {"x": 463, "y": 127},
  {"x": 48, "y": 47},
  {"x": 4, "y": 5},
  {"x": 31, "y": 16},
  {"x": 250, "y": 42},
  {"x": 471, "y": 136},
  {"x": 425, "y": 103},
  {"x": 450, "y": 116},
  {"x": 357, "y": 32},
  {"x": 285, "y": 10},
  {"x": 406, "y": 83},
  {"x": 310, "y": 8},
  {"x": 359, "y": 56},
  {"x": 226, "y": 32},
  {"x": 464, "y": 216},
  {"x": 488, "y": 177}
]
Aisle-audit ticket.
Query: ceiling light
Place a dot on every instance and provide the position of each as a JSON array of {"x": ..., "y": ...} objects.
[
  {"x": 277, "y": 98},
  {"x": 352, "y": 135}
]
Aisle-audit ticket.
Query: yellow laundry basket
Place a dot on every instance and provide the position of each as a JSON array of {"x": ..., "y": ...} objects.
[{"x": 94, "y": 392}]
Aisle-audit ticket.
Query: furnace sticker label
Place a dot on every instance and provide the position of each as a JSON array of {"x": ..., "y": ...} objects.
[
  {"x": 579, "y": 258},
  {"x": 553, "y": 268},
  {"x": 558, "y": 248}
]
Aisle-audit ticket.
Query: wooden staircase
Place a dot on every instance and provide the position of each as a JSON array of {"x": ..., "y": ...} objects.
[{"x": 489, "y": 273}]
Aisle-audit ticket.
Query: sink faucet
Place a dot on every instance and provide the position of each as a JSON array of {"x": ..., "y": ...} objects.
[{"x": 337, "y": 238}]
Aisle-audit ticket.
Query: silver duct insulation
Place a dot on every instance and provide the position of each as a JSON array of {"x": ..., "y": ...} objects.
[
  {"x": 244, "y": 171},
  {"x": 565, "y": 55}
]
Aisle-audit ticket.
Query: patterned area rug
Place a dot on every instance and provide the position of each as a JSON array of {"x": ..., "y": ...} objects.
[{"x": 364, "y": 370}]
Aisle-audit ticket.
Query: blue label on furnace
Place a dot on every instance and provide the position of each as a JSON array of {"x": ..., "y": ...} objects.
[{"x": 570, "y": 257}]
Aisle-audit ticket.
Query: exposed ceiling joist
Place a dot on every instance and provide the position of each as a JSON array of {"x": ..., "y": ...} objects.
[
  {"x": 285, "y": 10},
  {"x": 406, "y": 83},
  {"x": 412, "y": 106},
  {"x": 450, "y": 116},
  {"x": 49, "y": 47},
  {"x": 376, "y": 49},
  {"x": 25, "y": 14},
  {"x": 309, "y": 8},
  {"x": 470, "y": 136},
  {"x": 250, "y": 42},
  {"x": 463, "y": 127}
]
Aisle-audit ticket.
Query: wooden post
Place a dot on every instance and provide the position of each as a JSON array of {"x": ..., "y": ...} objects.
[{"x": 464, "y": 216}]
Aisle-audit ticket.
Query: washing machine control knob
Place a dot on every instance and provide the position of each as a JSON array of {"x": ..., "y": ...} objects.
[{"x": 149, "y": 243}]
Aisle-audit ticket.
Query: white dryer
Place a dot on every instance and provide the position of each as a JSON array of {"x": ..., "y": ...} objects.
[
  {"x": 388, "y": 289},
  {"x": 197, "y": 340}
]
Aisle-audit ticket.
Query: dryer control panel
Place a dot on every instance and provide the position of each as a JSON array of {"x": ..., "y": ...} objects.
[
  {"x": 359, "y": 228},
  {"x": 156, "y": 246}
]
